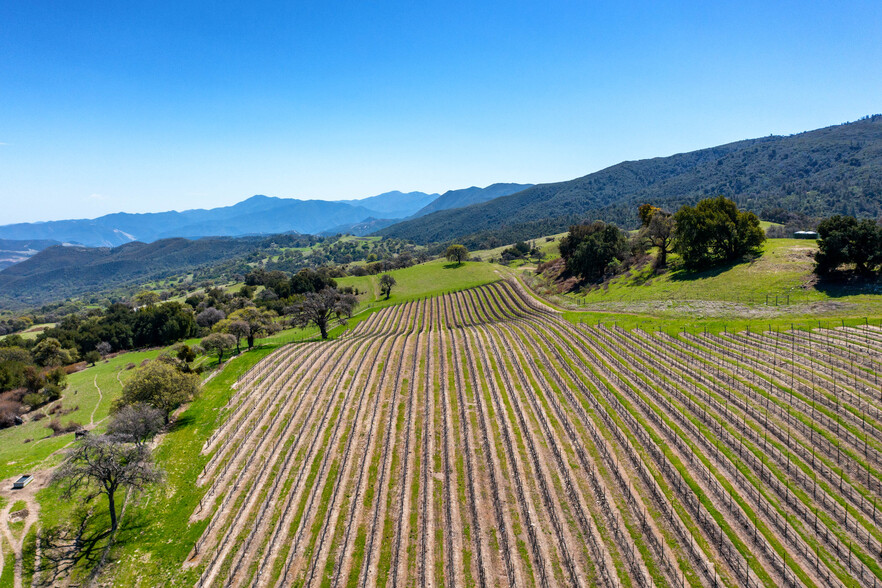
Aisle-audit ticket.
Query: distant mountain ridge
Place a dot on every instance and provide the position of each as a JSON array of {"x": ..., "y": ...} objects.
[
  {"x": 450, "y": 199},
  {"x": 15, "y": 251},
  {"x": 836, "y": 169},
  {"x": 467, "y": 196},
  {"x": 394, "y": 204},
  {"x": 258, "y": 215}
]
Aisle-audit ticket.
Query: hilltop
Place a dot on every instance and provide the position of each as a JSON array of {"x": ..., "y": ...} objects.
[
  {"x": 827, "y": 171},
  {"x": 13, "y": 251}
]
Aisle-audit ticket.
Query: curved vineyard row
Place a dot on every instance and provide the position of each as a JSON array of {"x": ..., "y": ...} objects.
[{"x": 478, "y": 439}]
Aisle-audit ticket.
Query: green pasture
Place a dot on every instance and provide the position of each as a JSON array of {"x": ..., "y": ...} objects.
[
  {"x": 549, "y": 249},
  {"x": 426, "y": 279}
]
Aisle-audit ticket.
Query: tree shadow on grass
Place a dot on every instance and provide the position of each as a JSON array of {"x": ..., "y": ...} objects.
[
  {"x": 683, "y": 274},
  {"x": 184, "y": 420},
  {"x": 80, "y": 544},
  {"x": 453, "y": 265},
  {"x": 848, "y": 283}
]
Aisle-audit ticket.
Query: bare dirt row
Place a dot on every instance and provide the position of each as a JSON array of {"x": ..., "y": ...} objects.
[{"x": 478, "y": 439}]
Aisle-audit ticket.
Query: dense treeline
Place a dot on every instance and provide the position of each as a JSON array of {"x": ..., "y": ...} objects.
[
  {"x": 124, "y": 327},
  {"x": 714, "y": 232},
  {"x": 593, "y": 251}
]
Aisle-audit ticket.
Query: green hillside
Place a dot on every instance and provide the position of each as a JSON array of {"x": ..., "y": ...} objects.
[
  {"x": 833, "y": 170},
  {"x": 426, "y": 279},
  {"x": 777, "y": 288}
]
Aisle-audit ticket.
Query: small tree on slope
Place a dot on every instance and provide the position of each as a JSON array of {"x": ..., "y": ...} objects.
[
  {"x": 102, "y": 465},
  {"x": 457, "y": 253},
  {"x": 386, "y": 283},
  {"x": 318, "y": 308}
]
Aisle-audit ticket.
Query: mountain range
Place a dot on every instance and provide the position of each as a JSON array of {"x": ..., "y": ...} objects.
[
  {"x": 258, "y": 215},
  {"x": 59, "y": 272}
]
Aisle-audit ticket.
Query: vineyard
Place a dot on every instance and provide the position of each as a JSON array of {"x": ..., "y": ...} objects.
[{"x": 477, "y": 438}]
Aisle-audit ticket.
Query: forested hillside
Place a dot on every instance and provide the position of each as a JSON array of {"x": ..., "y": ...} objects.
[
  {"x": 818, "y": 173},
  {"x": 467, "y": 196},
  {"x": 59, "y": 272}
]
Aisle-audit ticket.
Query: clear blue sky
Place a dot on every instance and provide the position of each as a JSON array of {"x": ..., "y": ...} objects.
[{"x": 146, "y": 106}]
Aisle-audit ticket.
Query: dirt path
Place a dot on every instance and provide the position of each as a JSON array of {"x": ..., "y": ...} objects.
[
  {"x": 32, "y": 508},
  {"x": 97, "y": 404}
]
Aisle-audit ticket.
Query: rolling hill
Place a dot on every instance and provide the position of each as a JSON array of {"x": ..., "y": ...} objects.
[{"x": 832, "y": 170}]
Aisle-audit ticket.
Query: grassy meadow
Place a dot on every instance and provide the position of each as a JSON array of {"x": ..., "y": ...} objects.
[{"x": 426, "y": 279}]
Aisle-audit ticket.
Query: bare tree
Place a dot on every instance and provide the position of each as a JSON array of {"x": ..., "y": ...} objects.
[
  {"x": 135, "y": 423},
  {"x": 103, "y": 348},
  {"x": 318, "y": 308},
  {"x": 209, "y": 316},
  {"x": 101, "y": 465}
]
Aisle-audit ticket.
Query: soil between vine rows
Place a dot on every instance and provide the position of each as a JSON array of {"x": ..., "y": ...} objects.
[{"x": 478, "y": 439}]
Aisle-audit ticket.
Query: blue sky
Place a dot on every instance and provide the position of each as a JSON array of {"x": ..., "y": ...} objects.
[{"x": 147, "y": 106}]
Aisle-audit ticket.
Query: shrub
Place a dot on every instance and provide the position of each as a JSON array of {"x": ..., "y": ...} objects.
[
  {"x": 52, "y": 392},
  {"x": 59, "y": 429}
]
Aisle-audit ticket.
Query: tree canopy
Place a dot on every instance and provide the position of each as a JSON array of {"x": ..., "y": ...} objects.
[
  {"x": 592, "y": 250},
  {"x": 160, "y": 385},
  {"x": 219, "y": 343},
  {"x": 135, "y": 423},
  {"x": 456, "y": 253},
  {"x": 846, "y": 240},
  {"x": 386, "y": 283},
  {"x": 257, "y": 321},
  {"x": 318, "y": 308},
  {"x": 714, "y": 232}
]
